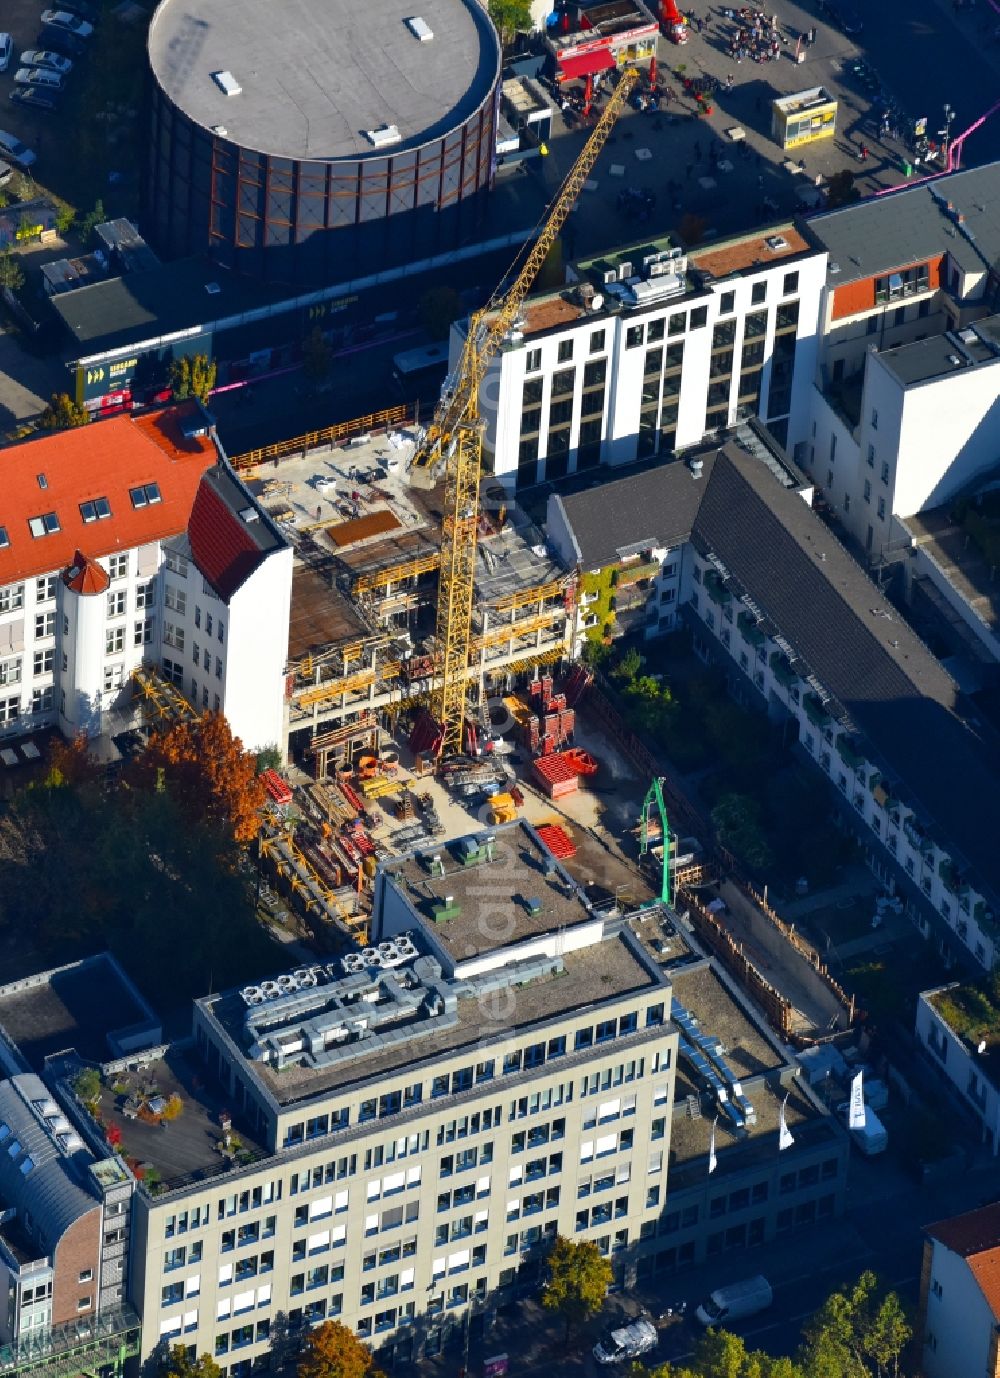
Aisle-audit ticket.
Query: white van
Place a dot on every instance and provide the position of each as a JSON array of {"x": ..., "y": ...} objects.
[
  {"x": 625, "y": 1342},
  {"x": 736, "y": 1301}
]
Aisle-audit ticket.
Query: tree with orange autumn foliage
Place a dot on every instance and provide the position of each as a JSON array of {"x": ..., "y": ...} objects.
[
  {"x": 331, "y": 1350},
  {"x": 206, "y": 769},
  {"x": 70, "y": 763}
]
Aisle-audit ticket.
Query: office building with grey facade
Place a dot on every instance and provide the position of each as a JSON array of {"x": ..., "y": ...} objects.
[{"x": 393, "y": 1138}]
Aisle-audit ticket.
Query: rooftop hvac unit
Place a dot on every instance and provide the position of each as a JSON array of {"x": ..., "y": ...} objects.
[
  {"x": 385, "y": 135},
  {"x": 353, "y": 964},
  {"x": 252, "y": 995},
  {"x": 624, "y": 272},
  {"x": 47, "y": 1109},
  {"x": 307, "y": 976},
  {"x": 407, "y": 947},
  {"x": 372, "y": 956},
  {"x": 420, "y": 29},
  {"x": 287, "y": 983},
  {"x": 610, "y": 276},
  {"x": 387, "y": 949},
  {"x": 227, "y": 83},
  {"x": 70, "y": 1142},
  {"x": 60, "y": 1125},
  {"x": 270, "y": 990}
]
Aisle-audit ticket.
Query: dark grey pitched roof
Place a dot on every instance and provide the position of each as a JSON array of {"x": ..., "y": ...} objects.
[
  {"x": 655, "y": 507},
  {"x": 834, "y": 618},
  {"x": 38, "y": 1168},
  {"x": 913, "y": 225}
]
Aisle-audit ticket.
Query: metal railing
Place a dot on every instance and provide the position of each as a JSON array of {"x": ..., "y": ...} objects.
[
  {"x": 328, "y": 435},
  {"x": 108, "y": 1339}
]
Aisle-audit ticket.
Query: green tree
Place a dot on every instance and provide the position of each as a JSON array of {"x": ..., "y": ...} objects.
[
  {"x": 577, "y": 1282},
  {"x": 11, "y": 271},
  {"x": 93, "y": 218},
  {"x": 736, "y": 818},
  {"x": 331, "y": 1350},
  {"x": 840, "y": 189},
  {"x": 178, "y": 1365},
  {"x": 595, "y": 653},
  {"x": 63, "y": 414},
  {"x": 439, "y": 307},
  {"x": 65, "y": 216},
  {"x": 628, "y": 667},
  {"x": 192, "y": 375},
  {"x": 511, "y": 17},
  {"x": 317, "y": 356},
  {"x": 856, "y": 1334},
  {"x": 87, "y": 1085}
]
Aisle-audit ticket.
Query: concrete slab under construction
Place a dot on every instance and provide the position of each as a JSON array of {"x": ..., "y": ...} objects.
[
  {"x": 513, "y": 561},
  {"x": 321, "y": 616}
]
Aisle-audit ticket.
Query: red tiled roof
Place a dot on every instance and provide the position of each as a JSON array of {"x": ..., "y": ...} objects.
[
  {"x": 86, "y": 576},
  {"x": 975, "y": 1236},
  {"x": 973, "y": 1232},
  {"x": 223, "y": 548},
  {"x": 986, "y": 1270},
  {"x": 102, "y": 460}
]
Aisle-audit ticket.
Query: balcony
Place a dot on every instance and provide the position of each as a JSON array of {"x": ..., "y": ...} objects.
[
  {"x": 917, "y": 838},
  {"x": 716, "y": 589},
  {"x": 752, "y": 633},
  {"x": 849, "y": 752},
  {"x": 782, "y": 670},
  {"x": 815, "y": 711},
  {"x": 632, "y": 574},
  {"x": 952, "y": 878}
]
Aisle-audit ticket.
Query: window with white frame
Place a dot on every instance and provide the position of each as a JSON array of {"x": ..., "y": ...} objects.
[
  {"x": 118, "y": 565},
  {"x": 10, "y": 670},
  {"x": 173, "y": 636},
  {"x": 43, "y": 662},
  {"x": 45, "y": 588},
  {"x": 10, "y": 710},
  {"x": 143, "y": 632},
  {"x": 175, "y": 599},
  {"x": 42, "y": 700},
  {"x": 173, "y": 670},
  {"x": 117, "y": 603},
  {"x": 176, "y": 563},
  {"x": 114, "y": 641},
  {"x": 145, "y": 595},
  {"x": 11, "y": 598},
  {"x": 45, "y": 624},
  {"x": 114, "y": 677}
]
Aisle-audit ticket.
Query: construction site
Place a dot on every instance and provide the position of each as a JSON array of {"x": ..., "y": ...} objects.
[{"x": 429, "y": 690}]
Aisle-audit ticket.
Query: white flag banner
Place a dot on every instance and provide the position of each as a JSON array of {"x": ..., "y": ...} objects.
[
  {"x": 785, "y": 1136},
  {"x": 856, "y": 1109},
  {"x": 713, "y": 1162}
]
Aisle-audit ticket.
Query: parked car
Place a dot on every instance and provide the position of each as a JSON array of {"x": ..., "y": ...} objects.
[
  {"x": 6, "y": 51},
  {"x": 738, "y": 1300},
  {"x": 39, "y": 76},
  {"x": 622, "y": 1342},
  {"x": 62, "y": 19},
  {"x": 43, "y": 57},
  {"x": 35, "y": 98},
  {"x": 59, "y": 41},
  {"x": 15, "y": 151}
]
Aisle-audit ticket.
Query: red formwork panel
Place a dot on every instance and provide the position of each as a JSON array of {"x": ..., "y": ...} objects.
[
  {"x": 557, "y": 840},
  {"x": 555, "y": 775}
]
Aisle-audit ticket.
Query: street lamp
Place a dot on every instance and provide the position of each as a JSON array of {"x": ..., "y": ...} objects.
[{"x": 949, "y": 115}]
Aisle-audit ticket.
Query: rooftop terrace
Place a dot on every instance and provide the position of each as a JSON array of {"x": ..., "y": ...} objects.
[{"x": 77, "y": 1006}]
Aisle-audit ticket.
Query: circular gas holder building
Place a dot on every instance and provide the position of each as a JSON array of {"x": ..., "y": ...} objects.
[{"x": 312, "y": 141}]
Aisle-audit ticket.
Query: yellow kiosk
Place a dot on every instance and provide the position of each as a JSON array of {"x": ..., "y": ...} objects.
[{"x": 803, "y": 118}]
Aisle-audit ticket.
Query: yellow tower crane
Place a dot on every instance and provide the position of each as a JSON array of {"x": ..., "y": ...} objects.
[{"x": 455, "y": 434}]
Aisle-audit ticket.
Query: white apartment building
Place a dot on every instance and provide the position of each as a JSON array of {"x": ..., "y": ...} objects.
[
  {"x": 112, "y": 538},
  {"x": 648, "y": 349},
  {"x": 770, "y": 592},
  {"x": 903, "y": 409},
  {"x": 972, "y": 1068},
  {"x": 959, "y": 1320}
]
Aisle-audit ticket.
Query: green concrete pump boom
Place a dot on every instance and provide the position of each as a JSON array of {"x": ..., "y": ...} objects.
[{"x": 655, "y": 795}]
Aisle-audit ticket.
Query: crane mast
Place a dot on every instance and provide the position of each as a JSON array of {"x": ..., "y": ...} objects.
[{"x": 455, "y": 435}]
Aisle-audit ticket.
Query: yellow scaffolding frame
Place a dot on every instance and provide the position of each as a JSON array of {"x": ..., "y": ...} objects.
[
  {"x": 392, "y": 574},
  {"x": 162, "y": 697}
]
